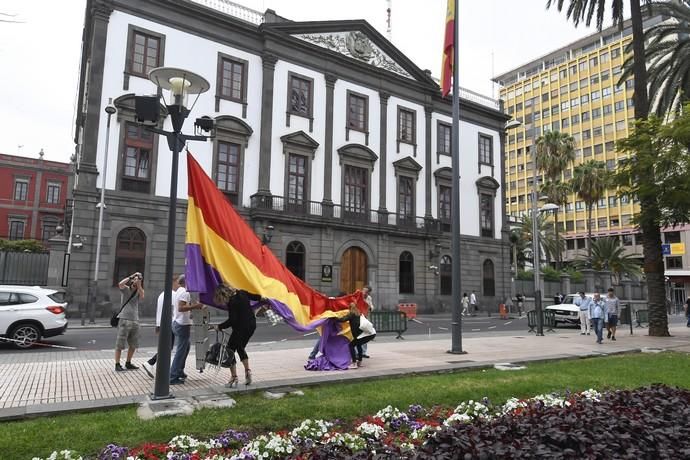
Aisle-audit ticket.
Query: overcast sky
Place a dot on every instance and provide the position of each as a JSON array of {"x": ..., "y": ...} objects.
[{"x": 40, "y": 55}]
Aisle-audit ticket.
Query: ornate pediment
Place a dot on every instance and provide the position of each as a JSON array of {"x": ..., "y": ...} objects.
[
  {"x": 358, "y": 152},
  {"x": 487, "y": 182},
  {"x": 444, "y": 174},
  {"x": 299, "y": 141},
  {"x": 357, "y": 45},
  {"x": 407, "y": 163}
]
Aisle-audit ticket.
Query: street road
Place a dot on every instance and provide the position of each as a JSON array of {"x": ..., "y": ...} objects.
[{"x": 269, "y": 337}]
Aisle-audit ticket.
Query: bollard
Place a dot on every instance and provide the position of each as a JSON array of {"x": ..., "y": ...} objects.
[{"x": 630, "y": 313}]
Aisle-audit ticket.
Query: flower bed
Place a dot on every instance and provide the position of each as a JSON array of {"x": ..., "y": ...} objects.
[{"x": 644, "y": 423}]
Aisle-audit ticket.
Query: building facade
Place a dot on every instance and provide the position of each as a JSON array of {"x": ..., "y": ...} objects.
[
  {"x": 33, "y": 195},
  {"x": 324, "y": 130},
  {"x": 575, "y": 90}
]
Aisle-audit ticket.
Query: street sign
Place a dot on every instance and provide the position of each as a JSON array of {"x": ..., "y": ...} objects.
[{"x": 665, "y": 249}]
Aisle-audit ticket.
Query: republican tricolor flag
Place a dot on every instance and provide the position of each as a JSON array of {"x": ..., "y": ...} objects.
[
  {"x": 221, "y": 247},
  {"x": 448, "y": 49}
]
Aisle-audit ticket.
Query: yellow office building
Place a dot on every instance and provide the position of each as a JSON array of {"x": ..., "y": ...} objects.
[{"x": 573, "y": 90}]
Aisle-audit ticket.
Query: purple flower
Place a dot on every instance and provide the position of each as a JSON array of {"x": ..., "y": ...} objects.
[
  {"x": 230, "y": 438},
  {"x": 113, "y": 452},
  {"x": 414, "y": 410},
  {"x": 414, "y": 425}
]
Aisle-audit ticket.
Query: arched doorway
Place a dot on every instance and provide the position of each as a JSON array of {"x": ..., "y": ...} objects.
[
  {"x": 294, "y": 259},
  {"x": 406, "y": 273},
  {"x": 353, "y": 270},
  {"x": 488, "y": 280},
  {"x": 446, "y": 270},
  {"x": 130, "y": 253}
]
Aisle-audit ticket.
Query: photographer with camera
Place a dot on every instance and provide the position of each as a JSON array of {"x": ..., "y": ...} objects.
[{"x": 131, "y": 291}]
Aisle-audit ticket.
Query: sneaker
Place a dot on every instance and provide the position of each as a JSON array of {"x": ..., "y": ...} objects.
[
  {"x": 131, "y": 366},
  {"x": 118, "y": 367},
  {"x": 366, "y": 356},
  {"x": 352, "y": 366},
  {"x": 613, "y": 338},
  {"x": 582, "y": 333},
  {"x": 599, "y": 342},
  {"x": 588, "y": 333},
  {"x": 608, "y": 336},
  {"x": 176, "y": 382},
  {"x": 359, "y": 363},
  {"x": 148, "y": 369}
]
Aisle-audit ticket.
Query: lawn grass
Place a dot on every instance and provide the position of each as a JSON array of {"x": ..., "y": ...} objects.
[{"x": 87, "y": 433}]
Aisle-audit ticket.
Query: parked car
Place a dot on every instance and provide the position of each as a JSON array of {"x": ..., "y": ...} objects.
[
  {"x": 28, "y": 314},
  {"x": 567, "y": 312}
]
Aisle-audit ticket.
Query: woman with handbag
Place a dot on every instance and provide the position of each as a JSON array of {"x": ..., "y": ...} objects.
[
  {"x": 243, "y": 322},
  {"x": 362, "y": 332}
]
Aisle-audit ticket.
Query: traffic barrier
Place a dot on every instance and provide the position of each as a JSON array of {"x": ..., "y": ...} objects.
[
  {"x": 410, "y": 309},
  {"x": 549, "y": 320},
  {"x": 389, "y": 321},
  {"x": 642, "y": 316}
]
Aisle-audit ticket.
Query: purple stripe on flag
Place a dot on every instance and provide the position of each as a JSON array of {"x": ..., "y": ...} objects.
[{"x": 203, "y": 278}]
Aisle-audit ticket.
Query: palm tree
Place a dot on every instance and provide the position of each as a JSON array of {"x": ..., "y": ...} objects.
[
  {"x": 554, "y": 150},
  {"x": 557, "y": 192},
  {"x": 668, "y": 59},
  {"x": 608, "y": 254},
  {"x": 586, "y": 10},
  {"x": 589, "y": 182},
  {"x": 547, "y": 242}
]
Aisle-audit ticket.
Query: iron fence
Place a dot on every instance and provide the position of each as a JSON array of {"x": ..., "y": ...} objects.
[{"x": 24, "y": 268}]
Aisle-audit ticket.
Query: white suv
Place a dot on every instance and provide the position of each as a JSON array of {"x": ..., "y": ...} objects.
[{"x": 29, "y": 313}]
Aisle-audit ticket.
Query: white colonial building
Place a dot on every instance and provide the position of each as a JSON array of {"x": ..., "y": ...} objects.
[{"x": 325, "y": 131}]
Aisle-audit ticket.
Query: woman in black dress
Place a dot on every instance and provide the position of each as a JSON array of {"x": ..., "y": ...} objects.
[
  {"x": 243, "y": 322},
  {"x": 356, "y": 352}
]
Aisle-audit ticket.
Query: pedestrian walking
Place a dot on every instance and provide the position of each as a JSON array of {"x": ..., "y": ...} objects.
[
  {"x": 131, "y": 292},
  {"x": 557, "y": 298},
  {"x": 520, "y": 302},
  {"x": 366, "y": 293},
  {"x": 465, "y": 304},
  {"x": 360, "y": 334},
  {"x": 243, "y": 322},
  {"x": 687, "y": 310},
  {"x": 583, "y": 302},
  {"x": 182, "y": 330},
  {"x": 597, "y": 312},
  {"x": 612, "y": 309},
  {"x": 149, "y": 365},
  {"x": 473, "y": 304}
]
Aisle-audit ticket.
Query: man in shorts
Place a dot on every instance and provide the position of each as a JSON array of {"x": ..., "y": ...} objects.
[
  {"x": 128, "y": 327},
  {"x": 612, "y": 308}
]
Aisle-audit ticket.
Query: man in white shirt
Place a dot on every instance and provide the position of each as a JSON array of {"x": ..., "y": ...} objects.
[
  {"x": 182, "y": 329},
  {"x": 148, "y": 366},
  {"x": 473, "y": 304},
  {"x": 583, "y": 302}
]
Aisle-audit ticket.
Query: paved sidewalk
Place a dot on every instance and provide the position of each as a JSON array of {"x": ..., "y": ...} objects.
[{"x": 52, "y": 382}]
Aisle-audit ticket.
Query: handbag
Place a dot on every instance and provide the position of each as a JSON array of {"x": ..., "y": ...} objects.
[
  {"x": 114, "y": 320},
  {"x": 366, "y": 327}
]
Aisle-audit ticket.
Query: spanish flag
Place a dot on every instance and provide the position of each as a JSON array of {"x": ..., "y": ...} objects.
[
  {"x": 448, "y": 49},
  {"x": 221, "y": 247}
]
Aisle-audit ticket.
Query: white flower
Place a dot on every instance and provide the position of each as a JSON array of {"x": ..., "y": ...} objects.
[
  {"x": 592, "y": 394},
  {"x": 370, "y": 430}
]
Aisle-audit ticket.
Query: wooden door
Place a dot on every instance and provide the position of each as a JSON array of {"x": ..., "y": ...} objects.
[{"x": 353, "y": 270}]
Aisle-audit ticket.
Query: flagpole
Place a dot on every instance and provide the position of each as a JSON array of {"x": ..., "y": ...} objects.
[{"x": 456, "y": 325}]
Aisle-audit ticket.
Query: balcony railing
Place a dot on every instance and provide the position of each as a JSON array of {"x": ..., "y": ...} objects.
[{"x": 343, "y": 214}]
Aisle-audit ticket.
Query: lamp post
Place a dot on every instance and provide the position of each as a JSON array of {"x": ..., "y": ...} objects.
[
  {"x": 110, "y": 110},
  {"x": 180, "y": 84}
]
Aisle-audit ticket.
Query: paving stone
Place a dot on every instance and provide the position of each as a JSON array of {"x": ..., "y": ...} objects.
[
  {"x": 509, "y": 367},
  {"x": 214, "y": 402}
]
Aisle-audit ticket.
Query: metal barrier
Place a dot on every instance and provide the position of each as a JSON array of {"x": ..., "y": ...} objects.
[
  {"x": 626, "y": 316},
  {"x": 389, "y": 321},
  {"x": 641, "y": 316},
  {"x": 548, "y": 316}
]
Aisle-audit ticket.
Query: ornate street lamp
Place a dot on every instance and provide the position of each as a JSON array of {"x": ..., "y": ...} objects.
[{"x": 177, "y": 84}]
